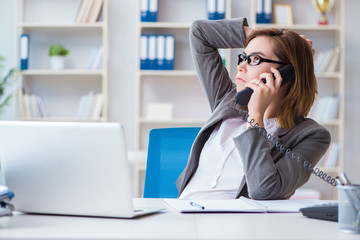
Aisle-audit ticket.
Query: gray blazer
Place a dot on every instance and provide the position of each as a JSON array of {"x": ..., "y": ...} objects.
[{"x": 269, "y": 174}]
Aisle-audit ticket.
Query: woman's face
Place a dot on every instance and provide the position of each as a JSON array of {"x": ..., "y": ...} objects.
[{"x": 262, "y": 46}]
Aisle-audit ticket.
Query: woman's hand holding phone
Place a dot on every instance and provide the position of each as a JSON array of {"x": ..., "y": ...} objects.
[{"x": 263, "y": 94}]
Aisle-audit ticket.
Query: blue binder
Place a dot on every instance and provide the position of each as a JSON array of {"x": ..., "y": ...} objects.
[
  {"x": 24, "y": 51},
  {"x": 153, "y": 10},
  {"x": 160, "y": 52},
  {"x": 220, "y": 9},
  {"x": 144, "y": 52},
  {"x": 216, "y": 9},
  {"x": 152, "y": 51},
  {"x": 264, "y": 11},
  {"x": 169, "y": 52},
  {"x": 211, "y": 9},
  {"x": 144, "y": 10},
  {"x": 149, "y": 10}
]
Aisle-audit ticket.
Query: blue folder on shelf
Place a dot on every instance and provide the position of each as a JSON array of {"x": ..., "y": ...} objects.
[
  {"x": 149, "y": 10},
  {"x": 220, "y": 9},
  {"x": 216, "y": 9},
  {"x": 24, "y": 51},
  {"x": 160, "y": 52},
  {"x": 144, "y": 56},
  {"x": 157, "y": 52},
  {"x": 152, "y": 52},
  {"x": 169, "y": 52},
  {"x": 211, "y": 9},
  {"x": 264, "y": 11}
]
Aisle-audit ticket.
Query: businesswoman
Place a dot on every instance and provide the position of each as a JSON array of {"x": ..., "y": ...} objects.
[{"x": 229, "y": 157}]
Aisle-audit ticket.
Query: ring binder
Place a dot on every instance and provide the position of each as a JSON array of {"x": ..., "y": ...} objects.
[
  {"x": 170, "y": 52},
  {"x": 144, "y": 57},
  {"x": 149, "y": 10},
  {"x": 24, "y": 51}
]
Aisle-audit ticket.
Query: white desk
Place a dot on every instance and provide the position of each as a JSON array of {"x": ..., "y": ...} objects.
[{"x": 171, "y": 225}]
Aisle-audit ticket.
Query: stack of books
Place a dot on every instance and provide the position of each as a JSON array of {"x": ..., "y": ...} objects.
[
  {"x": 5, "y": 196},
  {"x": 90, "y": 106},
  {"x": 157, "y": 52},
  {"x": 95, "y": 58},
  {"x": 326, "y": 61},
  {"x": 325, "y": 108},
  {"x": 33, "y": 106},
  {"x": 89, "y": 11}
]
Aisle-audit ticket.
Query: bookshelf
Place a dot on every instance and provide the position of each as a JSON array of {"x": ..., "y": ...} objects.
[
  {"x": 174, "y": 17},
  {"x": 57, "y": 22},
  {"x": 153, "y": 85}
]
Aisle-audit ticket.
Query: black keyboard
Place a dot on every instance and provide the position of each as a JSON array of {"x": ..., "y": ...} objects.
[{"x": 327, "y": 211}]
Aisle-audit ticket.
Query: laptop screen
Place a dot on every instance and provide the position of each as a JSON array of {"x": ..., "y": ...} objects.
[{"x": 70, "y": 168}]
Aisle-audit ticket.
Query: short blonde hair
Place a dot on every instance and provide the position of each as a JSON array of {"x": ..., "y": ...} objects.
[{"x": 291, "y": 48}]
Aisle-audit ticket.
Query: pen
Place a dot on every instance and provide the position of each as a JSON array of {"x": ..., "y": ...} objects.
[
  {"x": 194, "y": 204},
  {"x": 345, "y": 179}
]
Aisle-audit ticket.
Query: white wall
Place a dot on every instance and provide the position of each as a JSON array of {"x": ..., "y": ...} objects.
[{"x": 123, "y": 62}]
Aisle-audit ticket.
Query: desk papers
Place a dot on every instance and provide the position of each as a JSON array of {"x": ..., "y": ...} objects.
[{"x": 239, "y": 205}]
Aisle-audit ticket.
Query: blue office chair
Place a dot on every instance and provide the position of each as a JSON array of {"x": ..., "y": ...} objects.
[{"x": 168, "y": 153}]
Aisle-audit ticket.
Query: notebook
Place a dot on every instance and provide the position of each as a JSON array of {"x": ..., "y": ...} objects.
[
  {"x": 68, "y": 168},
  {"x": 242, "y": 204}
]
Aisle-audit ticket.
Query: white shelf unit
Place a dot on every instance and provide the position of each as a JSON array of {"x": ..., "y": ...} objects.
[
  {"x": 174, "y": 17},
  {"x": 53, "y": 22}
]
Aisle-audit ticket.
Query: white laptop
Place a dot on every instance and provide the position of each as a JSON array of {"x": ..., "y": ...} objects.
[{"x": 68, "y": 168}]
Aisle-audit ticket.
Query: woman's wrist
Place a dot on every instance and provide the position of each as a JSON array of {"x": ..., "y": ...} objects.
[{"x": 257, "y": 120}]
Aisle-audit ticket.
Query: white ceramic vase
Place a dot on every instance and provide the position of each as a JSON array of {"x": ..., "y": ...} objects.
[{"x": 57, "y": 62}]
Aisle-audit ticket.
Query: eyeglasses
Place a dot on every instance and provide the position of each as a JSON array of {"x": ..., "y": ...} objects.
[{"x": 254, "y": 59}]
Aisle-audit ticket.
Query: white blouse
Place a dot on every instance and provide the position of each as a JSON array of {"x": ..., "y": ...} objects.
[{"x": 220, "y": 169}]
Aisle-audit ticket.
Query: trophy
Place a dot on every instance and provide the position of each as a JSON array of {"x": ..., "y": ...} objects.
[{"x": 323, "y": 6}]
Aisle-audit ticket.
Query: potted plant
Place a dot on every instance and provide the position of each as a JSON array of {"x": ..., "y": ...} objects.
[
  {"x": 57, "y": 55},
  {"x": 4, "y": 81}
]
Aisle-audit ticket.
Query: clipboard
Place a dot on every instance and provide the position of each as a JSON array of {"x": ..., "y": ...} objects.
[{"x": 241, "y": 205}]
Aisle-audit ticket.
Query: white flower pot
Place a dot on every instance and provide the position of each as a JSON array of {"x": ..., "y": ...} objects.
[{"x": 57, "y": 62}]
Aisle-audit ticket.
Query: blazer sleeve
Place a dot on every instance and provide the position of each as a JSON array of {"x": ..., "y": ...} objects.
[
  {"x": 205, "y": 39},
  {"x": 270, "y": 177}
]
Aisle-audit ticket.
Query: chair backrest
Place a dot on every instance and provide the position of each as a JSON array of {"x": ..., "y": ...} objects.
[{"x": 168, "y": 153}]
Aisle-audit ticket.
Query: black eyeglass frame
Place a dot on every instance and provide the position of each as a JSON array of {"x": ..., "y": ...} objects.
[{"x": 247, "y": 58}]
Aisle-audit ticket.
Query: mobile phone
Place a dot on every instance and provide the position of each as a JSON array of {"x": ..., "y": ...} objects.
[{"x": 287, "y": 73}]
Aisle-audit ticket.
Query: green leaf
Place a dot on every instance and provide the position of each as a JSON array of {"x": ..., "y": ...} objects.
[
  {"x": 5, "y": 80},
  {"x": 58, "y": 50},
  {"x": 5, "y": 102}
]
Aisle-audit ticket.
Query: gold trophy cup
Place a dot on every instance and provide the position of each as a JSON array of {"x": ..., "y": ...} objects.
[{"x": 323, "y": 6}]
